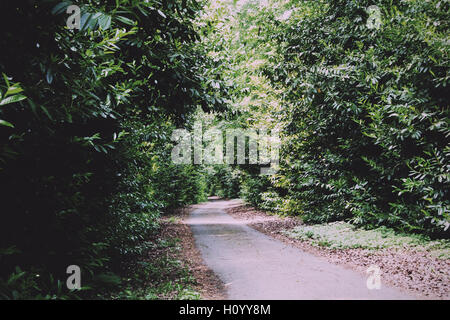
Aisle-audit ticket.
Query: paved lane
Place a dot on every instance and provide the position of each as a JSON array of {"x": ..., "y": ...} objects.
[{"x": 255, "y": 266}]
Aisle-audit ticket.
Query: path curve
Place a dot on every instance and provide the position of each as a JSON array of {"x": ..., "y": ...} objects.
[{"x": 255, "y": 266}]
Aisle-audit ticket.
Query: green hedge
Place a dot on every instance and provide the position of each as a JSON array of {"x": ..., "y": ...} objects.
[
  {"x": 368, "y": 117},
  {"x": 85, "y": 167}
]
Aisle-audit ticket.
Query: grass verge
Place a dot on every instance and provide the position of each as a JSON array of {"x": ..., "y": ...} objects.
[{"x": 342, "y": 235}]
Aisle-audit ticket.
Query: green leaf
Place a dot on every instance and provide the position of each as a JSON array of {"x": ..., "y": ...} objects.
[
  {"x": 13, "y": 90},
  {"x": 60, "y": 7},
  {"x": 125, "y": 20},
  {"x": 85, "y": 20},
  {"x": 162, "y": 14},
  {"x": 12, "y": 99},
  {"x": 104, "y": 22},
  {"x": 6, "y": 123},
  {"x": 5, "y": 77},
  {"x": 46, "y": 112}
]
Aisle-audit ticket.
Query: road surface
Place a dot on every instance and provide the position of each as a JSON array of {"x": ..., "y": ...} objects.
[{"x": 255, "y": 266}]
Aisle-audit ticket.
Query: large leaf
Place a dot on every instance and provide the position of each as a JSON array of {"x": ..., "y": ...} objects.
[
  {"x": 6, "y": 123},
  {"x": 12, "y": 99}
]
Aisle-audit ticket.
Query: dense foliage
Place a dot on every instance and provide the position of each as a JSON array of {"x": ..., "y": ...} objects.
[
  {"x": 361, "y": 97},
  {"x": 85, "y": 158},
  {"x": 367, "y": 136}
]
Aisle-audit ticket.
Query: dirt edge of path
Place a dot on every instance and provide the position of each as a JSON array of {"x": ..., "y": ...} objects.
[
  {"x": 413, "y": 272},
  {"x": 207, "y": 283}
]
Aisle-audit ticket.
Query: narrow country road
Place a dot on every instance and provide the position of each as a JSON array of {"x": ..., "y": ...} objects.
[{"x": 255, "y": 266}]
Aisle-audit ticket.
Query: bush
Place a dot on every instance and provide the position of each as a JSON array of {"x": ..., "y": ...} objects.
[
  {"x": 223, "y": 181},
  {"x": 366, "y": 135},
  {"x": 85, "y": 158}
]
